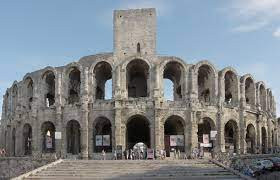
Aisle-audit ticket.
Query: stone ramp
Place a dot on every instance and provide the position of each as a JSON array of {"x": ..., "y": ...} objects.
[{"x": 136, "y": 169}]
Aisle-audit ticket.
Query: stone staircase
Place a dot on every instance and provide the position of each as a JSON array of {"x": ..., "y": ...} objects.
[{"x": 133, "y": 169}]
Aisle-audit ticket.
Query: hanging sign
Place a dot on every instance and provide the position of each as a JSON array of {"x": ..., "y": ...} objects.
[
  {"x": 205, "y": 138},
  {"x": 213, "y": 135},
  {"x": 98, "y": 140},
  {"x": 57, "y": 135},
  {"x": 106, "y": 140},
  {"x": 150, "y": 154}
]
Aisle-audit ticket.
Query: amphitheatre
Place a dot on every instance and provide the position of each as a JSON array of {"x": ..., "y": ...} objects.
[{"x": 63, "y": 111}]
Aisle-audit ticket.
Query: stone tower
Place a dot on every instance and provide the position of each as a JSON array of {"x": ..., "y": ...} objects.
[{"x": 134, "y": 32}]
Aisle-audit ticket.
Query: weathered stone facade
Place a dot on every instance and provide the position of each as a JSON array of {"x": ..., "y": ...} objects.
[{"x": 71, "y": 100}]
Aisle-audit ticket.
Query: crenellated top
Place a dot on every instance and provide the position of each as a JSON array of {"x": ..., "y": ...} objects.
[{"x": 135, "y": 77}]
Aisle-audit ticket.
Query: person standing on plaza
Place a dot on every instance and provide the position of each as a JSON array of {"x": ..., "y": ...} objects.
[{"x": 103, "y": 154}]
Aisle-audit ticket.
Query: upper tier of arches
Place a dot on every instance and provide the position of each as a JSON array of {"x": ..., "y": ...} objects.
[{"x": 137, "y": 77}]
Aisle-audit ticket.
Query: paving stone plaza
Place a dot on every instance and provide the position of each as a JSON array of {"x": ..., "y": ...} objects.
[{"x": 65, "y": 112}]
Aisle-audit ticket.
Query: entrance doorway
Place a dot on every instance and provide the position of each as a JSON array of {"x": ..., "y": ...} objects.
[
  {"x": 137, "y": 130},
  {"x": 174, "y": 135}
]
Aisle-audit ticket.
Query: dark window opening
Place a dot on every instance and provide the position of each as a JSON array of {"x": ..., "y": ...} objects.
[
  {"x": 205, "y": 83},
  {"x": 137, "y": 77},
  {"x": 103, "y": 77},
  {"x": 102, "y": 135},
  {"x": 48, "y": 136},
  {"x": 138, "y": 130},
  {"x": 73, "y": 137},
  {"x": 74, "y": 86}
]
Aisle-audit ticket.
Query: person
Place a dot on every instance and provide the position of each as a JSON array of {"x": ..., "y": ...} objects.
[
  {"x": 175, "y": 152},
  {"x": 103, "y": 154},
  {"x": 115, "y": 154},
  {"x": 3, "y": 152},
  {"x": 179, "y": 153},
  {"x": 161, "y": 154},
  {"x": 127, "y": 153},
  {"x": 130, "y": 154}
]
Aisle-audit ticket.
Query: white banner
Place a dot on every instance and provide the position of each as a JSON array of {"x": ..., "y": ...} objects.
[
  {"x": 106, "y": 140},
  {"x": 57, "y": 135},
  {"x": 205, "y": 138},
  {"x": 98, "y": 140}
]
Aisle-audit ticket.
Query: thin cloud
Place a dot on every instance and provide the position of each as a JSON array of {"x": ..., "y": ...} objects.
[
  {"x": 276, "y": 33},
  {"x": 250, "y": 27},
  {"x": 252, "y": 15}
]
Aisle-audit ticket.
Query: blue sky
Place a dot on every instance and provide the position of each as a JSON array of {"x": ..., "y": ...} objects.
[{"x": 237, "y": 33}]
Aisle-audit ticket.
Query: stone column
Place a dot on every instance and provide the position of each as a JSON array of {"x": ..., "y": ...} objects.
[
  {"x": 259, "y": 145},
  {"x": 193, "y": 143},
  {"x": 242, "y": 134},
  {"x": 118, "y": 125},
  {"x": 59, "y": 143},
  {"x": 84, "y": 115},
  {"x": 220, "y": 132},
  {"x": 158, "y": 130},
  {"x": 269, "y": 135}
]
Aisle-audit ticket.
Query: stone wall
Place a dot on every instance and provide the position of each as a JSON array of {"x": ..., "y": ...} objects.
[{"x": 62, "y": 99}]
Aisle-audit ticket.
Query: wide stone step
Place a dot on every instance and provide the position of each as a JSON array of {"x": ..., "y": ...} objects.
[{"x": 138, "y": 169}]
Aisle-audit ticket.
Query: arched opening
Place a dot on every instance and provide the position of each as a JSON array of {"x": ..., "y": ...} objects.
[
  {"x": 206, "y": 83},
  {"x": 48, "y": 136},
  {"x": 173, "y": 71},
  {"x": 27, "y": 139},
  {"x": 14, "y": 98},
  {"x": 73, "y": 137},
  {"x": 103, "y": 77},
  {"x": 29, "y": 93},
  {"x": 231, "y": 136},
  {"x": 49, "y": 88},
  {"x": 14, "y": 142},
  {"x": 102, "y": 135},
  {"x": 250, "y": 138},
  {"x": 137, "y": 74},
  {"x": 262, "y": 96},
  {"x": 137, "y": 130},
  {"x": 138, "y": 48},
  {"x": 270, "y": 100},
  {"x": 74, "y": 86},
  {"x": 264, "y": 138},
  {"x": 174, "y": 134},
  {"x": 205, "y": 140},
  {"x": 250, "y": 91},
  {"x": 6, "y": 104},
  {"x": 231, "y": 87}
]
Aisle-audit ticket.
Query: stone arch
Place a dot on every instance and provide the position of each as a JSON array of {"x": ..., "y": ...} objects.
[
  {"x": 205, "y": 127},
  {"x": 27, "y": 139},
  {"x": 251, "y": 138},
  {"x": 73, "y": 135},
  {"x": 206, "y": 81},
  {"x": 102, "y": 134},
  {"x": 48, "y": 137},
  {"x": 74, "y": 85},
  {"x": 6, "y": 103},
  {"x": 231, "y": 85},
  {"x": 174, "y": 134},
  {"x": 175, "y": 71},
  {"x": 264, "y": 140},
  {"x": 49, "y": 89},
  {"x": 249, "y": 89},
  {"x": 261, "y": 95},
  {"x": 231, "y": 134},
  {"x": 29, "y": 93},
  {"x": 137, "y": 130},
  {"x": 14, "y": 98},
  {"x": 137, "y": 78},
  {"x": 102, "y": 73},
  {"x": 269, "y": 99}
]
